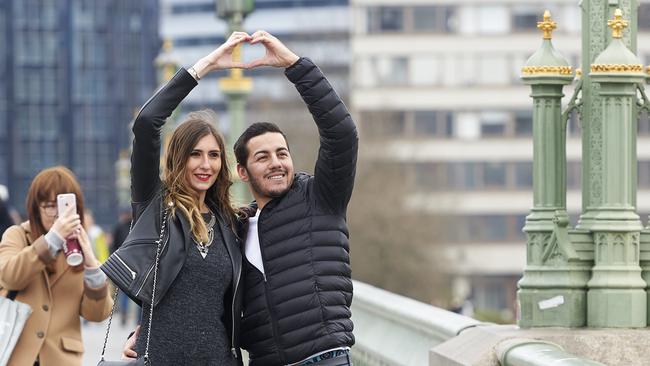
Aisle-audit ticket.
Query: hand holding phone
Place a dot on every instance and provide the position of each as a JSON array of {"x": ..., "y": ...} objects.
[{"x": 67, "y": 207}]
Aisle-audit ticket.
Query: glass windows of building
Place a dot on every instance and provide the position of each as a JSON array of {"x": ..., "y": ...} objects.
[
  {"x": 493, "y": 69},
  {"x": 385, "y": 19},
  {"x": 523, "y": 175},
  {"x": 492, "y": 19},
  {"x": 496, "y": 176},
  {"x": 485, "y": 228},
  {"x": 411, "y": 19},
  {"x": 523, "y": 123},
  {"x": 425, "y": 124},
  {"x": 493, "y": 124},
  {"x": 389, "y": 70}
]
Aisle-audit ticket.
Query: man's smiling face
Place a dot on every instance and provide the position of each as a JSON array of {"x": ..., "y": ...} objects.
[{"x": 269, "y": 167}]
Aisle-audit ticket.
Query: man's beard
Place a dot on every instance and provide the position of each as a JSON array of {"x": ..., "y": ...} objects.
[{"x": 256, "y": 185}]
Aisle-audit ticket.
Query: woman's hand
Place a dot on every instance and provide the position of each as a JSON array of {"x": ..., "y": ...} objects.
[
  {"x": 68, "y": 224},
  {"x": 221, "y": 58},
  {"x": 128, "y": 352},
  {"x": 277, "y": 54},
  {"x": 90, "y": 261}
]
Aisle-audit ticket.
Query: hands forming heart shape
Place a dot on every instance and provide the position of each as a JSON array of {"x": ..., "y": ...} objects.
[{"x": 277, "y": 54}]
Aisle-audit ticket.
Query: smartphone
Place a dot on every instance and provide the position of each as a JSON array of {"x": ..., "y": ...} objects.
[{"x": 64, "y": 201}]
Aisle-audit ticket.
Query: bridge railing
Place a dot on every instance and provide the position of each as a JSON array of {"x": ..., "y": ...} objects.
[{"x": 395, "y": 330}]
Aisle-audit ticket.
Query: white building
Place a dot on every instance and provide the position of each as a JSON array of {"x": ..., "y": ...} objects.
[{"x": 441, "y": 80}]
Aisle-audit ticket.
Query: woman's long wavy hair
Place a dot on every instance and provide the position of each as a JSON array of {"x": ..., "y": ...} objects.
[{"x": 177, "y": 189}]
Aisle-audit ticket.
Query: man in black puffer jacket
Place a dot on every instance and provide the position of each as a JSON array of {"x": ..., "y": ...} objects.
[{"x": 297, "y": 281}]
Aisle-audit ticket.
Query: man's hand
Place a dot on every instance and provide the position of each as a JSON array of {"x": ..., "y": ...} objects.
[
  {"x": 277, "y": 54},
  {"x": 128, "y": 352}
]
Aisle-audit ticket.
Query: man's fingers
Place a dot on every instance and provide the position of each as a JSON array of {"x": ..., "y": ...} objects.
[{"x": 129, "y": 355}]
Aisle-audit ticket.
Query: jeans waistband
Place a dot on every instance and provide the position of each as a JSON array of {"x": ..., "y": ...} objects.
[{"x": 324, "y": 358}]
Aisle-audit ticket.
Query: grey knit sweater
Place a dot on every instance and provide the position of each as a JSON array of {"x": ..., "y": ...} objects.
[{"x": 187, "y": 326}]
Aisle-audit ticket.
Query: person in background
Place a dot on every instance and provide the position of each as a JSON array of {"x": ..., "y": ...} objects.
[
  {"x": 97, "y": 237},
  {"x": 8, "y": 216},
  {"x": 32, "y": 263}
]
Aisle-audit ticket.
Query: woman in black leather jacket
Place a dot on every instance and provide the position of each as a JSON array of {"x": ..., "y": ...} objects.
[{"x": 198, "y": 293}]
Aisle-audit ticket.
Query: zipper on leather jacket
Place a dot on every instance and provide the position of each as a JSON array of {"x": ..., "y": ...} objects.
[
  {"x": 234, "y": 295},
  {"x": 151, "y": 268},
  {"x": 127, "y": 266}
]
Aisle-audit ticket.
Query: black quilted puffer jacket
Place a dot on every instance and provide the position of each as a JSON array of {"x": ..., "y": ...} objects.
[{"x": 302, "y": 304}]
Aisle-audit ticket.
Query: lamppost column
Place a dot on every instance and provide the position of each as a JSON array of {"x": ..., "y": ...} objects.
[
  {"x": 235, "y": 86},
  {"x": 616, "y": 281},
  {"x": 552, "y": 291}
]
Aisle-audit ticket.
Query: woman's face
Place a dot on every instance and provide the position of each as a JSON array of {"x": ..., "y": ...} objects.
[
  {"x": 48, "y": 212},
  {"x": 203, "y": 165}
]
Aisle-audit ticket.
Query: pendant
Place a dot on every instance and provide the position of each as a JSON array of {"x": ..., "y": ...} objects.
[{"x": 202, "y": 251}]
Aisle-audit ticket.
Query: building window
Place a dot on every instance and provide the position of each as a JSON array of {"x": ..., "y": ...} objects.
[
  {"x": 494, "y": 174},
  {"x": 385, "y": 19},
  {"x": 383, "y": 124},
  {"x": 525, "y": 18},
  {"x": 523, "y": 123},
  {"x": 493, "y": 124},
  {"x": 434, "y": 19},
  {"x": 523, "y": 175},
  {"x": 493, "y": 19},
  {"x": 389, "y": 71},
  {"x": 426, "y": 123}
]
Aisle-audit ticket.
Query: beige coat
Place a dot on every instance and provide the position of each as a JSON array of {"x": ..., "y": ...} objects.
[{"x": 57, "y": 295}]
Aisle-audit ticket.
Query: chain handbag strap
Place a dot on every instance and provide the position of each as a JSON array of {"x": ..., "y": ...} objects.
[{"x": 153, "y": 291}]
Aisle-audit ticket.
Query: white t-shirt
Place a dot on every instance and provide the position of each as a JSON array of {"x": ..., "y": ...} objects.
[{"x": 252, "y": 245}]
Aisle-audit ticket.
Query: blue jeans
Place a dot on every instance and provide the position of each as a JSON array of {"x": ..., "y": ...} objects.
[{"x": 334, "y": 358}]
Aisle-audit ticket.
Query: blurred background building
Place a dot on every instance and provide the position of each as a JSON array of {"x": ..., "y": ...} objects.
[
  {"x": 73, "y": 73},
  {"x": 436, "y": 87}
]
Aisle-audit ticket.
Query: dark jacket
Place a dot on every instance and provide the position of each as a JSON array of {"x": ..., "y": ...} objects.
[
  {"x": 131, "y": 266},
  {"x": 302, "y": 304}
]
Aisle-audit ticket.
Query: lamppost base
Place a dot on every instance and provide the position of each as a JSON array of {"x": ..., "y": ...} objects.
[
  {"x": 552, "y": 308},
  {"x": 617, "y": 308}
]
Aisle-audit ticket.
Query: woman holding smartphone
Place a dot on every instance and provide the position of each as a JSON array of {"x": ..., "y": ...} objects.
[
  {"x": 32, "y": 263},
  {"x": 195, "y": 320}
]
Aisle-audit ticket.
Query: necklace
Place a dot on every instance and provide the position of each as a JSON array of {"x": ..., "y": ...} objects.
[{"x": 203, "y": 247}]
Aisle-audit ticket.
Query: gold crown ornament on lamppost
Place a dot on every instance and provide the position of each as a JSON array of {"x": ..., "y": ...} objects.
[
  {"x": 617, "y": 58},
  {"x": 546, "y": 61}
]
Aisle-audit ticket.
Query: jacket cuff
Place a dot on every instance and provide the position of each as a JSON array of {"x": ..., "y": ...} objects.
[
  {"x": 42, "y": 249},
  {"x": 299, "y": 69},
  {"x": 185, "y": 76},
  {"x": 96, "y": 293}
]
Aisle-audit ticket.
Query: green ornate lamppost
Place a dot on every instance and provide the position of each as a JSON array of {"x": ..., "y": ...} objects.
[
  {"x": 591, "y": 275},
  {"x": 236, "y": 86}
]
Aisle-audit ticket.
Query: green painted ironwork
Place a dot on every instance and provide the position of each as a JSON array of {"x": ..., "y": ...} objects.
[
  {"x": 591, "y": 275},
  {"x": 235, "y": 86}
]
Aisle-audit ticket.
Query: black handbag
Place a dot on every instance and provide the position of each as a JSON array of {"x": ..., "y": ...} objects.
[{"x": 144, "y": 360}]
